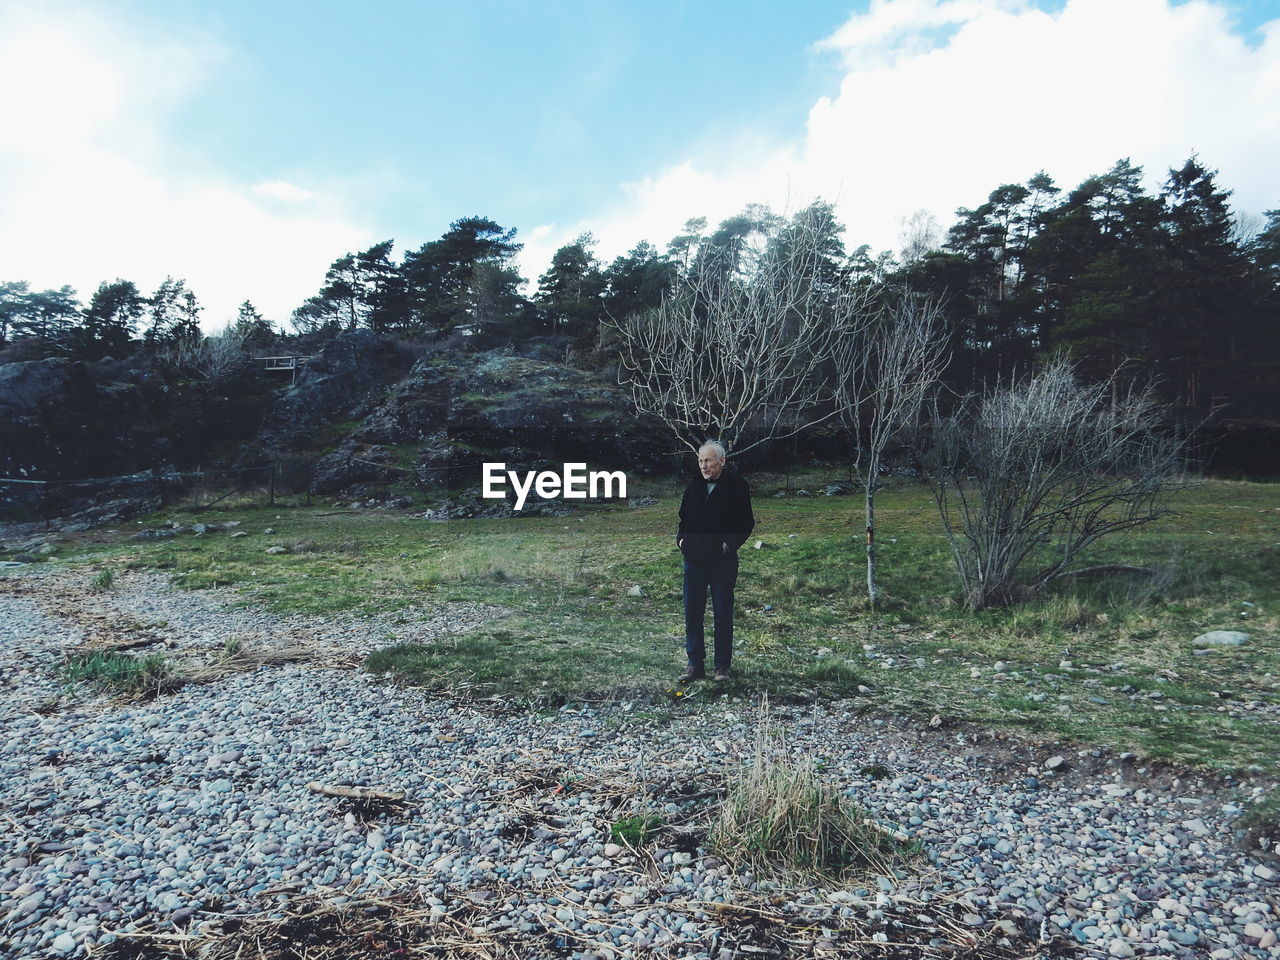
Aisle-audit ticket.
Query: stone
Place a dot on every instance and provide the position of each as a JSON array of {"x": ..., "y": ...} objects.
[
  {"x": 64, "y": 942},
  {"x": 1120, "y": 948},
  {"x": 1055, "y": 762},
  {"x": 1221, "y": 638},
  {"x": 612, "y": 850},
  {"x": 276, "y": 550},
  {"x": 159, "y": 534},
  {"x": 1264, "y": 873},
  {"x": 26, "y": 905},
  {"x": 636, "y": 591}
]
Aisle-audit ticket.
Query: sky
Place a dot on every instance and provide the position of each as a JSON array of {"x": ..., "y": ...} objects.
[{"x": 243, "y": 145}]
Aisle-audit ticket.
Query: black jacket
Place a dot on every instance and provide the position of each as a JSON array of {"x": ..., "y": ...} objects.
[{"x": 709, "y": 522}]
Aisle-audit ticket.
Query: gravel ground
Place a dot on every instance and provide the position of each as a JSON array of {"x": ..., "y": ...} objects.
[{"x": 181, "y": 810}]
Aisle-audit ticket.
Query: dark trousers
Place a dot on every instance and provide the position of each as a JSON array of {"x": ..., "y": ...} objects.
[{"x": 718, "y": 577}]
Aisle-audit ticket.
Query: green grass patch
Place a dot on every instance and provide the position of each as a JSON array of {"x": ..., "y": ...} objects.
[
  {"x": 121, "y": 673},
  {"x": 101, "y": 581},
  {"x": 633, "y": 831},
  {"x": 804, "y": 632}
]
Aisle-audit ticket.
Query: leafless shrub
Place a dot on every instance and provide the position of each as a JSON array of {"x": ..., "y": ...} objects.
[
  {"x": 1030, "y": 475},
  {"x": 219, "y": 354},
  {"x": 209, "y": 357}
]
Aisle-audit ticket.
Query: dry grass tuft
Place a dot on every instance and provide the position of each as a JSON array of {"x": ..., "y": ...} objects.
[{"x": 780, "y": 816}]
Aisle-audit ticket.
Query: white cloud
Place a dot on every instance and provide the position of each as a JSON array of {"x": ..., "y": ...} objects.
[
  {"x": 91, "y": 187},
  {"x": 944, "y": 100},
  {"x": 283, "y": 191}
]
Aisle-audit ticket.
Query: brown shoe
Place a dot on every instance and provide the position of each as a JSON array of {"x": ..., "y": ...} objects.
[
  {"x": 693, "y": 673},
  {"x": 722, "y": 675}
]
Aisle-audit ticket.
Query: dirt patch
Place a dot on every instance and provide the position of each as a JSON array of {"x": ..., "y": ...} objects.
[{"x": 1006, "y": 755}]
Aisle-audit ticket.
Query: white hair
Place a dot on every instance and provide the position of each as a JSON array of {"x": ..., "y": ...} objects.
[{"x": 715, "y": 445}]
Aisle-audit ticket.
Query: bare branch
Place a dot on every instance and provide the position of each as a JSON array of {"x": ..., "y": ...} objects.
[{"x": 737, "y": 350}]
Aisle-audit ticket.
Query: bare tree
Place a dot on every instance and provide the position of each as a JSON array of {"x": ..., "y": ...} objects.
[
  {"x": 1029, "y": 476},
  {"x": 920, "y": 235},
  {"x": 738, "y": 350},
  {"x": 884, "y": 377}
]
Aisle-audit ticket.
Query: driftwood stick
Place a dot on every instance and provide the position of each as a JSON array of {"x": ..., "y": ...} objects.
[
  {"x": 112, "y": 646},
  {"x": 355, "y": 793},
  {"x": 888, "y": 831}
]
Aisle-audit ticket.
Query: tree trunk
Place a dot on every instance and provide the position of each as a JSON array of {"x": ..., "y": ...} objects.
[{"x": 873, "y": 593}]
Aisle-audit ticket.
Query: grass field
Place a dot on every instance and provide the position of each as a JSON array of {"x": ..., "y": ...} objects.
[{"x": 1110, "y": 663}]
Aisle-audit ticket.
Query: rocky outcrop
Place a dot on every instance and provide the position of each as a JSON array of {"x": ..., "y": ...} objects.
[
  {"x": 344, "y": 382},
  {"x": 362, "y": 417},
  {"x": 454, "y": 413},
  {"x": 61, "y": 422},
  {"x": 68, "y": 423},
  {"x": 37, "y": 399}
]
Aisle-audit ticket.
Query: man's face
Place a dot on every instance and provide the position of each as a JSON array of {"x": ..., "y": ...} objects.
[{"x": 710, "y": 463}]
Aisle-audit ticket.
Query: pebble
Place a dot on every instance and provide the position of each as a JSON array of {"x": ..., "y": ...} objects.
[{"x": 169, "y": 835}]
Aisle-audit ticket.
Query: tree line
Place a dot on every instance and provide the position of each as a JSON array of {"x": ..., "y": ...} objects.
[
  {"x": 1106, "y": 273},
  {"x": 117, "y": 320}
]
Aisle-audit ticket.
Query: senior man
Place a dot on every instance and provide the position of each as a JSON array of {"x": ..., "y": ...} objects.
[{"x": 715, "y": 520}]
